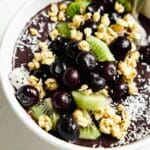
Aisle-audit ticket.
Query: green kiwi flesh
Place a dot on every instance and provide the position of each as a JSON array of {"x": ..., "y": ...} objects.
[
  {"x": 90, "y": 102},
  {"x": 64, "y": 29},
  {"x": 44, "y": 108},
  {"x": 99, "y": 49},
  {"x": 90, "y": 132},
  {"x": 75, "y": 7}
]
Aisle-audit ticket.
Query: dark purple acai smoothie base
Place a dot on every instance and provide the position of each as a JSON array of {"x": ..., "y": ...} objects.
[{"x": 139, "y": 106}]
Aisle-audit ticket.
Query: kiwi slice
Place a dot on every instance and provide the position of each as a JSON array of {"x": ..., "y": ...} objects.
[
  {"x": 127, "y": 4},
  {"x": 75, "y": 7},
  {"x": 40, "y": 108},
  {"x": 90, "y": 102},
  {"x": 90, "y": 132},
  {"x": 44, "y": 108},
  {"x": 64, "y": 29},
  {"x": 54, "y": 117},
  {"x": 86, "y": 114},
  {"x": 99, "y": 49}
]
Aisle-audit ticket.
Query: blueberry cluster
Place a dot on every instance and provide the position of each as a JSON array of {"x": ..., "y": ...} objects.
[{"x": 72, "y": 69}]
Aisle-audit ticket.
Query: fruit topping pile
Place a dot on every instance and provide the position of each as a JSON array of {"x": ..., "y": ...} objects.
[{"x": 90, "y": 62}]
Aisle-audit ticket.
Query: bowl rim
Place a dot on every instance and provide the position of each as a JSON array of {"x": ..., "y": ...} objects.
[{"x": 21, "y": 113}]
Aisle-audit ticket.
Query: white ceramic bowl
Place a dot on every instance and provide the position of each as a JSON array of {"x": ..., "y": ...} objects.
[{"x": 7, "y": 46}]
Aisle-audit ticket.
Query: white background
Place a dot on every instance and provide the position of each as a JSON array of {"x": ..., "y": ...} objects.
[{"x": 13, "y": 134}]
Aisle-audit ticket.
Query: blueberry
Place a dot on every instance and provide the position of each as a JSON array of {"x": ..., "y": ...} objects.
[
  {"x": 113, "y": 17},
  {"x": 58, "y": 68},
  {"x": 120, "y": 47},
  {"x": 96, "y": 82},
  {"x": 145, "y": 54},
  {"x": 118, "y": 90},
  {"x": 109, "y": 4},
  {"x": 62, "y": 101},
  {"x": 89, "y": 24},
  {"x": 58, "y": 46},
  {"x": 27, "y": 96},
  {"x": 108, "y": 70},
  {"x": 42, "y": 73},
  {"x": 96, "y": 6},
  {"x": 71, "y": 78},
  {"x": 67, "y": 128},
  {"x": 86, "y": 61},
  {"x": 72, "y": 49}
]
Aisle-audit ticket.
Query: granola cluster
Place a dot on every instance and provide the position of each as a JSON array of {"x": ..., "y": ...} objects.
[{"x": 112, "y": 123}]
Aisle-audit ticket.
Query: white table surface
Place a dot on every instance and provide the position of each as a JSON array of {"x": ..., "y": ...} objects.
[{"x": 14, "y": 135}]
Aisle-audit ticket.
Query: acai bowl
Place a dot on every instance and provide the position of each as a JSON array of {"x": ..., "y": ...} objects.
[{"x": 80, "y": 101}]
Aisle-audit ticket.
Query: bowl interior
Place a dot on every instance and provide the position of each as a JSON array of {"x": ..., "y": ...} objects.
[{"x": 7, "y": 46}]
